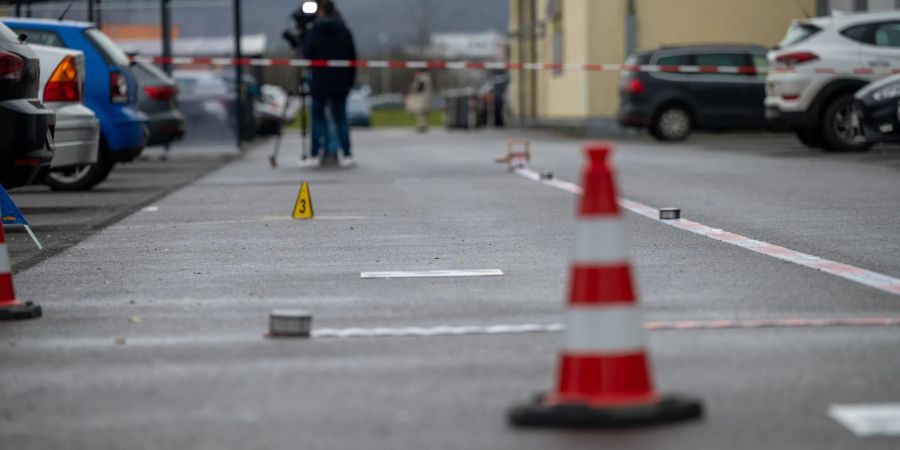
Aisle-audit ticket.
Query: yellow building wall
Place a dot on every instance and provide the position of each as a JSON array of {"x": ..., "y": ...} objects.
[
  {"x": 562, "y": 95},
  {"x": 761, "y": 22},
  {"x": 594, "y": 32},
  {"x": 606, "y": 44}
]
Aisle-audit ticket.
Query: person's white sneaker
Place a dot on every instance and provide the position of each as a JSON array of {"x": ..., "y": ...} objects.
[
  {"x": 348, "y": 162},
  {"x": 309, "y": 163}
]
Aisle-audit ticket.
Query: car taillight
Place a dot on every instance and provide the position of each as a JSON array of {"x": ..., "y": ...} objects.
[
  {"x": 118, "y": 88},
  {"x": 12, "y": 66},
  {"x": 64, "y": 85},
  {"x": 161, "y": 93},
  {"x": 635, "y": 87},
  {"x": 797, "y": 58}
]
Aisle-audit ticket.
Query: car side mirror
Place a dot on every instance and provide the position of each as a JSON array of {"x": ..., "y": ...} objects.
[{"x": 23, "y": 37}]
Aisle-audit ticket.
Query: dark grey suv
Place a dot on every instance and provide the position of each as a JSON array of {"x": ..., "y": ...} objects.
[
  {"x": 158, "y": 99},
  {"x": 671, "y": 103}
]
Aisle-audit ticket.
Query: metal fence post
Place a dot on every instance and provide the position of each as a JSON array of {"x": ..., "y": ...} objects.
[{"x": 239, "y": 74}]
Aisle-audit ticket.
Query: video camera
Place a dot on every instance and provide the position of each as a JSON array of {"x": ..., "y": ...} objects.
[{"x": 303, "y": 18}]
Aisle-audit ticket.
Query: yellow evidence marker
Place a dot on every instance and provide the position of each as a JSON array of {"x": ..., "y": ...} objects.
[{"x": 303, "y": 209}]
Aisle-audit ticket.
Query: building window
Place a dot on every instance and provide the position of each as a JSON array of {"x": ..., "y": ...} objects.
[{"x": 860, "y": 5}]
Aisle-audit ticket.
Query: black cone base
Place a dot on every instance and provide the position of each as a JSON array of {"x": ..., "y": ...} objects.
[
  {"x": 667, "y": 410},
  {"x": 22, "y": 311}
]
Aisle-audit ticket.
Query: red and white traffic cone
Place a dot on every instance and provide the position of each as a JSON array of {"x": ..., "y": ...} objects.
[
  {"x": 10, "y": 307},
  {"x": 604, "y": 375}
]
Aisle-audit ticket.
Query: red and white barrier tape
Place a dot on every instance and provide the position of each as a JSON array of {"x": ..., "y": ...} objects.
[{"x": 459, "y": 65}]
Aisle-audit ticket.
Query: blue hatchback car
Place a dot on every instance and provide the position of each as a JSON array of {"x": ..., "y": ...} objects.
[{"x": 110, "y": 89}]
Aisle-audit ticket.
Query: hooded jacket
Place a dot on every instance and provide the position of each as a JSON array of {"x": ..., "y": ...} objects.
[{"x": 329, "y": 38}]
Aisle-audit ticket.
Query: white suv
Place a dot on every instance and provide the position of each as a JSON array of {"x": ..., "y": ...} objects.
[{"x": 818, "y": 67}]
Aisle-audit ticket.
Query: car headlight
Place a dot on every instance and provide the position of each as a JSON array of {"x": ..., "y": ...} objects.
[{"x": 887, "y": 93}]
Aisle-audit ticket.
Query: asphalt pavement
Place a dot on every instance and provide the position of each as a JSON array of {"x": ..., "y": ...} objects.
[
  {"x": 63, "y": 219},
  {"x": 153, "y": 327}
]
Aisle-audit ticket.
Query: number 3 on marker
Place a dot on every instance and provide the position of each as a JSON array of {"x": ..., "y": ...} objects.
[{"x": 303, "y": 209}]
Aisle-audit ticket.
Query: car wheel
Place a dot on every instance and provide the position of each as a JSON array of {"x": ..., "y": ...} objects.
[
  {"x": 82, "y": 178},
  {"x": 672, "y": 123},
  {"x": 809, "y": 137},
  {"x": 837, "y": 129}
]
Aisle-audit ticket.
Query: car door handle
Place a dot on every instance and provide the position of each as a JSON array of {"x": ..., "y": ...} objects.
[{"x": 879, "y": 63}]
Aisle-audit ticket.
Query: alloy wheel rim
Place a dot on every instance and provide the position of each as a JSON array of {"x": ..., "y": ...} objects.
[
  {"x": 843, "y": 124},
  {"x": 72, "y": 176},
  {"x": 674, "y": 123}
]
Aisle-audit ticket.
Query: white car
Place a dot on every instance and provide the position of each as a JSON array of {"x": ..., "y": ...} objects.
[
  {"x": 818, "y": 67},
  {"x": 77, "y": 129},
  {"x": 274, "y": 108}
]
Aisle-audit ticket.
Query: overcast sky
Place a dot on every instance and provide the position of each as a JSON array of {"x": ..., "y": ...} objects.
[{"x": 397, "y": 18}]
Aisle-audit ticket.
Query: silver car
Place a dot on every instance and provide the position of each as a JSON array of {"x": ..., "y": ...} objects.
[{"x": 77, "y": 129}]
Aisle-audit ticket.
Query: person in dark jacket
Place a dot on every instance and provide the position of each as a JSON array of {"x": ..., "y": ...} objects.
[{"x": 330, "y": 39}]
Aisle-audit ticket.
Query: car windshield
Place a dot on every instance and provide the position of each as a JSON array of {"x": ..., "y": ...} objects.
[
  {"x": 111, "y": 52},
  {"x": 7, "y": 35},
  {"x": 797, "y": 33}
]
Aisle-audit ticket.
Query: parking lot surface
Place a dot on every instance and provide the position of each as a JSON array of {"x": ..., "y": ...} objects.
[
  {"x": 153, "y": 327},
  {"x": 62, "y": 219}
]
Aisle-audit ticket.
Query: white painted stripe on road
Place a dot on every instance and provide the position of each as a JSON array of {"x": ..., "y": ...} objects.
[
  {"x": 4, "y": 258},
  {"x": 865, "y": 277},
  {"x": 600, "y": 240},
  {"x": 434, "y": 273},
  {"x": 603, "y": 330},
  {"x": 438, "y": 331},
  {"x": 868, "y": 420},
  {"x": 151, "y": 209},
  {"x": 344, "y": 333}
]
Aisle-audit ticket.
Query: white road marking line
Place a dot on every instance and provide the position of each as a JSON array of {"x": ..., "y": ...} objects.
[
  {"x": 444, "y": 330},
  {"x": 151, "y": 209},
  {"x": 865, "y": 277},
  {"x": 434, "y": 273},
  {"x": 868, "y": 420},
  {"x": 231, "y": 222},
  {"x": 335, "y": 333}
]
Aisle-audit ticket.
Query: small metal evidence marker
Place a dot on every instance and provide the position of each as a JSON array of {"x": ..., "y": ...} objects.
[
  {"x": 669, "y": 214},
  {"x": 434, "y": 274},
  {"x": 290, "y": 323}
]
